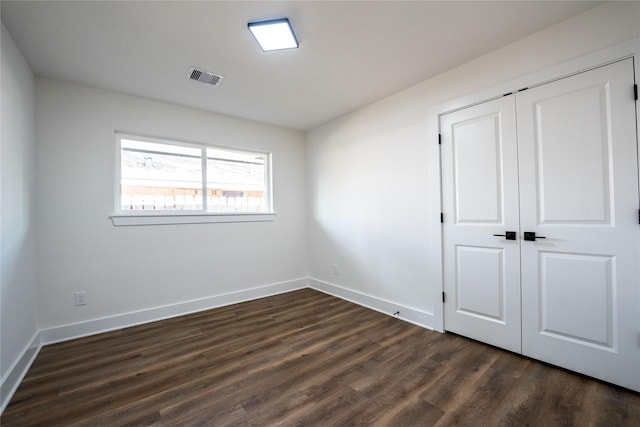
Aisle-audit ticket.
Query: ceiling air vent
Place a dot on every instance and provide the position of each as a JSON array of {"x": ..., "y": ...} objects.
[{"x": 204, "y": 76}]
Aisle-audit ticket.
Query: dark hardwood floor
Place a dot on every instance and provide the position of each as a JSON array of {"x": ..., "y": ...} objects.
[{"x": 302, "y": 358}]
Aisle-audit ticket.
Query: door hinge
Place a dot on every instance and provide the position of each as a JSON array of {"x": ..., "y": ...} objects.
[
  {"x": 441, "y": 218},
  {"x": 635, "y": 91},
  {"x": 443, "y": 298},
  {"x": 439, "y": 139}
]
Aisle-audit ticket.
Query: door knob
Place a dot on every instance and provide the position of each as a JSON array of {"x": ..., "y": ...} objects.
[
  {"x": 508, "y": 235},
  {"x": 531, "y": 236}
]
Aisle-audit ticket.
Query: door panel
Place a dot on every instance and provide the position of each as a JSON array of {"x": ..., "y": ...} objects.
[
  {"x": 476, "y": 146},
  {"x": 571, "y": 131},
  {"x": 579, "y": 189},
  {"x": 588, "y": 319},
  {"x": 480, "y": 282},
  {"x": 480, "y": 190}
]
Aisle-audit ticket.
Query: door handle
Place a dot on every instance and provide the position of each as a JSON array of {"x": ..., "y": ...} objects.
[
  {"x": 530, "y": 236},
  {"x": 508, "y": 235}
]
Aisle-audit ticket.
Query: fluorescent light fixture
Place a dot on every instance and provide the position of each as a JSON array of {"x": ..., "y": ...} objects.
[{"x": 276, "y": 34}]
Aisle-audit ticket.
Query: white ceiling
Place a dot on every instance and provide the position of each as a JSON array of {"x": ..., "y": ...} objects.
[{"x": 351, "y": 52}]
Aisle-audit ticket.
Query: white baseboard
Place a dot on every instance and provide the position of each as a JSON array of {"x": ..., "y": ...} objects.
[
  {"x": 17, "y": 372},
  {"x": 408, "y": 314},
  {"x": 92, "y": 327}
]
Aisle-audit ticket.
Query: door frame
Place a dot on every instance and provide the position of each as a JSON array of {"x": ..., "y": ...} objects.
[{"x": 628, "y": 49}]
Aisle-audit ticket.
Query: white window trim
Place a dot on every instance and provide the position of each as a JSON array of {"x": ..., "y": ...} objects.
[
  {"x": 119, "y": 220},
  {"x": 130, "y": 218}
]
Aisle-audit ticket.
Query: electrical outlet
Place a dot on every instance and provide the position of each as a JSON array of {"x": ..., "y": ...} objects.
[
  {"x": 81, "y": 298},
  {"x": 335, "y": 269}
]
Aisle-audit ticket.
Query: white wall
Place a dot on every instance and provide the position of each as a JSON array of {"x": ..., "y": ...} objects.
[
  {"x": 129, "y": 269},
  {"x": 370, "y": 172},
  {"x": 18, "y": 300}
]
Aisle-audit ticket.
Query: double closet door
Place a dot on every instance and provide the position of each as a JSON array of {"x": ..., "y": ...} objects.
[{"x": 541, "y": 241}]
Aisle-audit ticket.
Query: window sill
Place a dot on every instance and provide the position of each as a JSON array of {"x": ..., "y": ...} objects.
[{"x": 120, "y": 220}]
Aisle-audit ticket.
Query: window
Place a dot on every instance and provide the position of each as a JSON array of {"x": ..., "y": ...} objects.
[{"x": 162, "y": 178}]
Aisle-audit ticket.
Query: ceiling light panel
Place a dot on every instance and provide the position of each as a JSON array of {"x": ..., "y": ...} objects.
[{"x": 276, "y": 34}]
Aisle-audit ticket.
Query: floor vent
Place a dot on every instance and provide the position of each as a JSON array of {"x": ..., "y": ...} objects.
[{"x": 204, "y": 76}]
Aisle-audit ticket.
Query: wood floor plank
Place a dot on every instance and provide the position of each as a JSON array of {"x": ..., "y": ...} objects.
[{"x": 302, "y": 358}]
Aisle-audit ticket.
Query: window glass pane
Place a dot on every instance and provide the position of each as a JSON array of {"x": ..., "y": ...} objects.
[
  {"x": 236, "y": 181},
  {"x": 160, "y": 176}
]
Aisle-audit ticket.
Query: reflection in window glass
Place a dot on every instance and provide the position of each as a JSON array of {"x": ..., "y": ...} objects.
[
  {"x": 163, "y": 176},
  {"x": 236, "y": 182}
]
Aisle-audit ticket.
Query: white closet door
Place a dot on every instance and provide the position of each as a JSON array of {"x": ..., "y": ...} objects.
[
  {"x": 579, "y": 189},
  {"x": 480, "y": 199}
]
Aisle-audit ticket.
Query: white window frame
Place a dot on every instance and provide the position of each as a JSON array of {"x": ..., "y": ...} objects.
[{"x": 122, "y": 217}]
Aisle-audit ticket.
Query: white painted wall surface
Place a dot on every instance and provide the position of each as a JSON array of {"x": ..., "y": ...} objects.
[
  {"x": 370, "y": 173},
  {"x": 129, "y": 269},
  {"x": 18, "y": 299}
]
